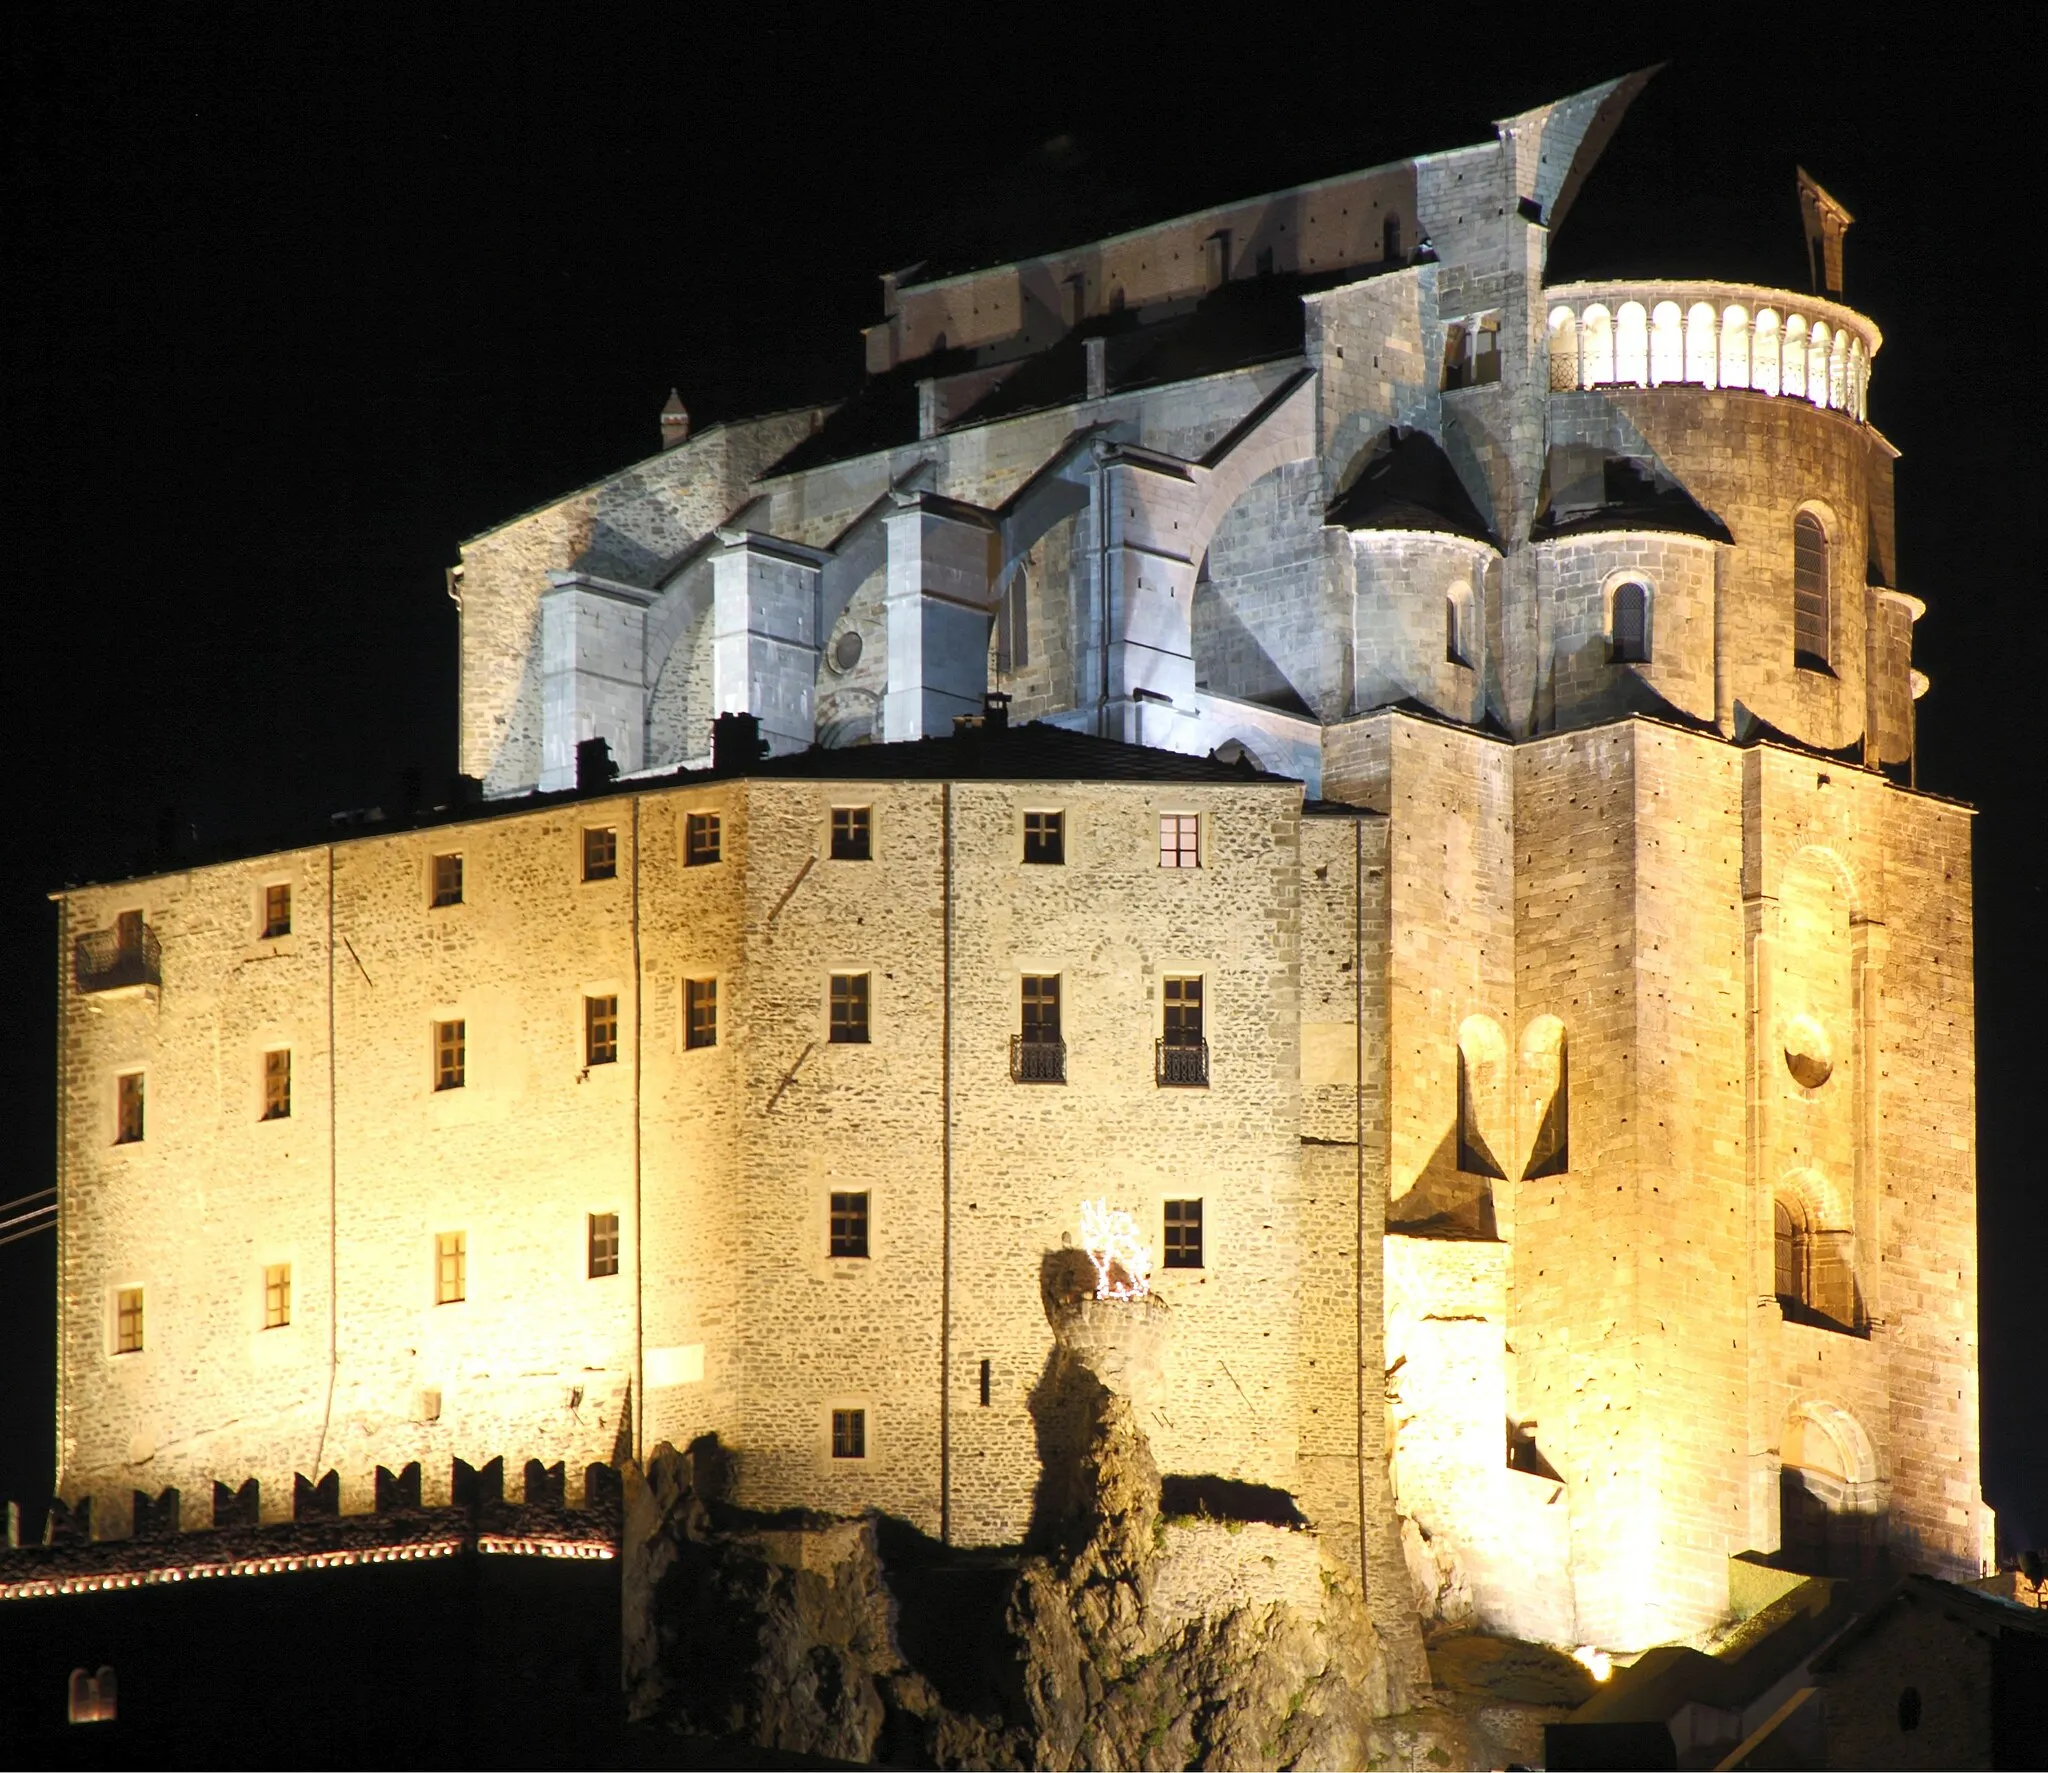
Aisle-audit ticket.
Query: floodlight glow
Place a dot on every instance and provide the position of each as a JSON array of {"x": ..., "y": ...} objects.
[{"x": 1122, "y": 1258}]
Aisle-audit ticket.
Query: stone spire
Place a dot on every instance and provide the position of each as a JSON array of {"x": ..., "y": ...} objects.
[{"x": 675, "y": 421}]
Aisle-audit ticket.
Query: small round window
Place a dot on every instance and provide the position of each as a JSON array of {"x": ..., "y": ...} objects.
[
  {"x": 846, "y": 650},
  {"x": 1808, "y": 1055}
]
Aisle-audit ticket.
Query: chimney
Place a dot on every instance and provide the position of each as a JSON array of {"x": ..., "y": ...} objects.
[
  {"x": 1216, "y": 259},
  {"x": 736, "y": 742},
  {"x": 995, "y": 712},
  {"x": 1098, "y": 367},
  {"x": 675, "y": 421},
  {"x": 1826, "y": 222},
  {"x": 594, "y": 766},
  {"x": 928, "y": 408}
]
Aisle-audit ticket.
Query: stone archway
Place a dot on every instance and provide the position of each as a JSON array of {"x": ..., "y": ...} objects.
[{"x": 1831, "y": 1499}]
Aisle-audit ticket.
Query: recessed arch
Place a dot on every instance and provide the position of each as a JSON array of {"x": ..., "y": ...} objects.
[
  {"x": 1546, "y": 1097},
  {"x": 1596, "y": 347},
  {"x": 1764, "y": 351},
  {"x": 1482, "y": 1095},
  {"x": 1735, "y": 346},
  {"x": 1629, "y": 600},
  {"x": 1700, "y": 344},
  {"x": 1667, "y": 345},
  {"x": 1632, "y": 344},
  {"x": 1812, "y": 589},
  {"x": 1564, "y": 350}
]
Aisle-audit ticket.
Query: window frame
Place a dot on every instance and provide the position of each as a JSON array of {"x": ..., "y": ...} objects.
[
  {"x": 125, "y": 1318},
  {"x": 858, "y": 1216},
  {"x": 858, "y": 994},
  {"x": 1171, "y": 1256},
  {"x": 447, "y": 880},
  {"x": 1618, "y": 650},
  {"x": 703, "y": 839},
  {"x": 1185, "y": 843},
  {"x": 601, "y": 1245},
  {"x": 273, "y": 921},
  {"x": 277, "y": 1295},
  {"x": 850, "y": 835},
  {"x": 600, "y": 860},
  {"x": 601, "y": 1033},
  {"x": 131, "y": 1091},
  {"x": 1050, "y": 837},
  {"x": 277, "y": 1084},
  {"x": 692, "y": 1003},
  {"x": 446, "y": 1076},
  {"x": 846, "y": 1427},
  {"x": 451, "y": 1259}
]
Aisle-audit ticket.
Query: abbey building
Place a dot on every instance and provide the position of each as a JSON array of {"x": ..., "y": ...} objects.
[{"x": 1395, "y": 772}]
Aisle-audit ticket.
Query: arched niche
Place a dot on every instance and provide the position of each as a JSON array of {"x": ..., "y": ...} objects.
[
  {"x": 1482, "y": 1096},
  {"x": 1545, "y": 1073},
  {"x": 1831, "y": 1494}
]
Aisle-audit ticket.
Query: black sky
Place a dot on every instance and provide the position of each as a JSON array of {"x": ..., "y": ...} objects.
[{"x": 296, "y": 299}]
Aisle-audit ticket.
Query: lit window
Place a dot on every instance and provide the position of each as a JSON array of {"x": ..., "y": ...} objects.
[
  {"x": 451, "y": 1267},
  {"x": 604, "y": 1245},
  {"x": 852, "y": 834},
  {"x": 277, "y": 1295},
  {"x": 700, "y": 839},
  {"x": 451, "y": 1047},
  {"x": 277, "y": 1084},
  {"x": 1045, "y": 837},
  {"x": 849, "y": 1008},
  {"x": 92, "y": 1697},
  {"x": 700, "y": 1007},
  {"x": 601, "y": 853},
  {"x": 849, "y": 1434},
  {"x": 1183, "y": 1025},
  {"x": 128, "y": 1321},
  {"x": 1178, "y": 845},
  {"x": 1811, "y": 613},
  {"x": 1631, "y": 630},
  {"x": 600, "y": 1030},
  {"x": 1183, "y": 1241},
  {"x": 277, "y": 911},
  {"x": 128, "y": 1096},
  {"x": 447, "y": 880},
  {"x": 849, "y": 1230}
]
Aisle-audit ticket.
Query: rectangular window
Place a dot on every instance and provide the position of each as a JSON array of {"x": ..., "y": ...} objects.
[
  {"x": 849, "y": 1007},
  {"x": 128, "y": 1321},
  {"x": 849, "y": 1434},
  {"x": 451, "y": 1047},
  {"x": 601, "y": 853},
  {"x": 1179, "y": 845},
  {"x": 700, "y": 1010},
  {"x": 277, "y": 911},
  {"x": 128, "y": 931},
  {"x": 600, "y": 1030},
  {"x": 849, "y": 1234},
  {"x": 604, "y": 1245},
  {"x": 1041, "y": 1007},
  {"x": 277, "y": 1084},
  {"x": 1183, "y": 1024},
  {"x": 447, "y": 880},
  {"x": 852, "y": 834},
  {"x": 451, "y": 1267},
  {"x": 1045, "y": 837},
  {"x": 277, "y": 1295},
  {"x": 1183, "y": 1244},
  {"x": 128, "y": 1108},
  {"x": 700, "y": 839}
]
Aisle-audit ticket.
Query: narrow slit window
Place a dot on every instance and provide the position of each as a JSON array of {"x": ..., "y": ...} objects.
[
  {"x": 700, "y": 839},
  {"x": 277, "y": 911},
  {"x": 852, "y": 834},
  {"x": 848, "y": 1233},
  {"x": 128, "y": 1108},
  {"x": 1812, "y": 614},
  {"x": 987, "y": 1381},
  {"x": 700, "y": 1011},
  {"x": 451, "y": 1267},
  {"x": 849, "y": 1434},
  {"x": 128, "y": 1321},
  {"x": 1180, "y": 840},
  {"x": 603, "y": 1245},
  {"x": 601, "y": 853},
  {"x": 600, "y": 1030},
  {"x": 277, "y": 1295},
  {"x": 1045, "y": 838},
  {"x": 277, "y": 1084},
  {"x": 1182, "y": 1245},
  {"x": 447, "y": 880},
  {"x": 451, "y": 1054},
  {"x": 849, "y": 1009}
]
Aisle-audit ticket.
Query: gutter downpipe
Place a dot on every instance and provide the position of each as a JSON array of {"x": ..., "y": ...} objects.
[
  {"x": 946, "y": 1168},
  {"x": 64, "y": 988},
  {"x": 1358, "y": 1154},
  {"x": 333, "y": 1189},
  {"x": 1102, "y": 586},
  {"x": 639, "y": 1264}
]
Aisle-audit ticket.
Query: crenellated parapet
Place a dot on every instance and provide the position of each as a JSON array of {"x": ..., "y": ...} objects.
[{"x": 1711, "y": 335}]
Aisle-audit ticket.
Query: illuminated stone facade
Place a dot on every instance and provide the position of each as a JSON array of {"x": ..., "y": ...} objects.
[{"x": 1588, "y": 1087}]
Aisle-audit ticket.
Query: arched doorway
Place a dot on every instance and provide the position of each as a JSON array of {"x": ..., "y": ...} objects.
[{"x": 1831, "y": 1509}]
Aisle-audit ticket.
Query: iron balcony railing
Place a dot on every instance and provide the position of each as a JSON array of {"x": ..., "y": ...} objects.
[
  {"x": 1037, "y": 1061},
  {"x": 1183, "y": 1063},
  {"x": 103, "y": 962}
]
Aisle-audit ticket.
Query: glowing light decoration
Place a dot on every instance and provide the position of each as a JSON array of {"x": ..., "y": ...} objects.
[
  {"x": 1596, "y": 1663},
  {"x": 1122, "y": 1258}
]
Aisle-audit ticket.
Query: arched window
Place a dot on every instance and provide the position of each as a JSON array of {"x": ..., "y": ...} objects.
[
  {"x": 92, "y": 1697},
  {"x": 1788, "y": 1222},
  {"x": 1547, "y": 1079},
  {"x": 1667, "y": 345},
  {"x": 1792, "y": 378},
  {"x": 1631, "y": 623},
  {"x": 1564, "y": 350},
  {"x": 1859, "y": 381},
  {"x": 1597, "y": 348},
  {"x": 1632, "y": 344},
  {"x": 1763, "y": 360},
  {"x": 1838, "y": 373},
  {"x": 1482, "y": 1067},
  {"x": 1817, "y": 343},
  {"x": 1699, "y": 345},
  {"x": 1735, "y": 347},
  {"x": 1812, "y": 622},
  {"x": 1455, "y": 646}
]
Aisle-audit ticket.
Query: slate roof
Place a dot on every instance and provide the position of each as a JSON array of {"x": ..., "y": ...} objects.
[
  {"x": 1410, "y": 485},
  {"x": 1635, "y": 500}
]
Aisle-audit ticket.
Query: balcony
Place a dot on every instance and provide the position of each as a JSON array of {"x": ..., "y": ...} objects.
[
  {"x": 109, "y": 960},
  {"x": 1037, "y": 1061},
  {"x": 1711, "y": 335},
  {"x": 1183, "y": 1064}
]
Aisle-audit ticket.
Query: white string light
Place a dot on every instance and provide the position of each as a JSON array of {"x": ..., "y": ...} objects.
[{"x": 1122, "y": 1258}]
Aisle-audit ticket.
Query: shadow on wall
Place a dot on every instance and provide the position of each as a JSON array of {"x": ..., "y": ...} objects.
[
  {"x": 1065, "y": 1404},
  {"x": 1447, "y": 1199}
]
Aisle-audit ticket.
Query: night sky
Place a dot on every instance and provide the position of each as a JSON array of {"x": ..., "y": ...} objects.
[{"x": 298, "y": 298}]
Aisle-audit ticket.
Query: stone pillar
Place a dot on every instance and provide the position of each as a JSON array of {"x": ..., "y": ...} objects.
[
  {"x": 764, "y": 636},
  {"x": 593, "y": 646},
  {"x": 940, "y": 598},
  {"x": 1154, "y": 507}
]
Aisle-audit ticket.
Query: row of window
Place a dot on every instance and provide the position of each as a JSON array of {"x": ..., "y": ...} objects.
[{"x": 849, "y": 1222}]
